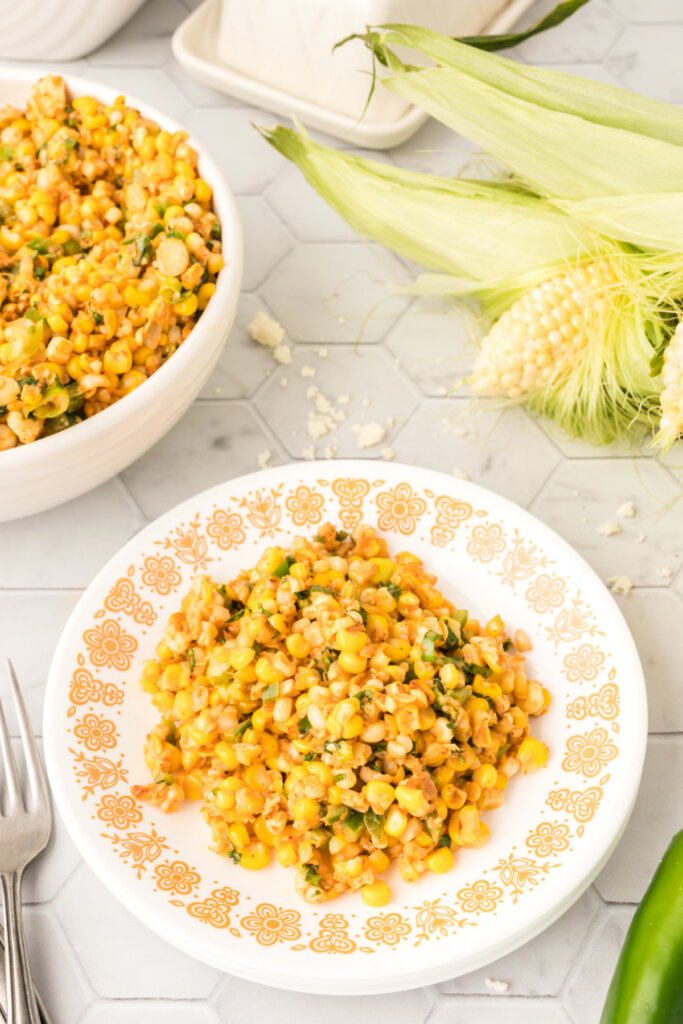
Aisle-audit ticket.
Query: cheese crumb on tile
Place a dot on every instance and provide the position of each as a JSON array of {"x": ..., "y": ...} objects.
[
  {"x": 609, "y": 528},
  {"x": 391, "y": 422},
  {"x": 263, "y": 458},
  {"x": 308, "y": 371},
  {"x": 283, "y": 355},
  {"x": 218, "y": 391},
  {"x": 459, "y": 473},
  {"x": 441, "y": 391},
  {"x": 330, "y": 451},
  {"x": 323, "y": 418},
  {"x": 368, "y": 434},
  {"x": 344, "y": 400},
  {"x": 388, "y": 454},
  {"x": 627, "y": 511},
  {"x": 620, "y": 584},
  {"x": 308, "y": 453},
  {"x": 641, "y": 538},
  {"x": 366, "y": 402},
  {"x": 496, "y": 986},
  {"x": 322, "y": 352},
  {"x": 665, "y": 572},
  {"x": 266, "y": 331},
  {"x": 283, "y": 382}
]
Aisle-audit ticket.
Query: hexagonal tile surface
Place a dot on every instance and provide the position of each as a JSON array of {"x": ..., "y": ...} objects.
[
  {"x": 595, "y": 28},
  {"x": 588, "y": 984},
  {"x": 658, "y": 808},
  {"x": 213, "y": 442},
  {"x": 243, "y": 365},
  {"x": 654, "y": 617},
  {"x": 539, "y": 967},
  {"x": 435, "y": 346},
  {"x": 594, "y": 490},
  {"x": 335, "y": 292},
  {"x": 632, "y": 64},
  {"x": 144, "y": 39},
  {"x": 269, "y": 241},
  {"x": 165, "y": 1012},
  {"x": 163, "y": 971},
  {"x": 386, "y": 396},
  {"x": 57, "y": 974},
  {"x": 500, "y": 1009},
  {"x": 241, "y": 1002},
  {"x": 246, "y": 159},
  {"x": 456, "y": 437}
]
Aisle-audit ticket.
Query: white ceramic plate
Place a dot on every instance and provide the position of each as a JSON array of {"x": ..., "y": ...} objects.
[{"x": 549, "y": 838}]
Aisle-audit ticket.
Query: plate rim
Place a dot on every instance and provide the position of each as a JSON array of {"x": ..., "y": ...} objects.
[{"x": 327, "y": 981}]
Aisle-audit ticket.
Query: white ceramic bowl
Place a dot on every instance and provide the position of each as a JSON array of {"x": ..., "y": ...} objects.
[
  {"x": 550, "y": 837},
  {"x": 59, "y": 29},
  {"x": 54, "y": 469}
]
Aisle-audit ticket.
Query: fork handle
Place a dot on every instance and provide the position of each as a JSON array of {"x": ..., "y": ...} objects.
[{"x": 21, "y": 1001}]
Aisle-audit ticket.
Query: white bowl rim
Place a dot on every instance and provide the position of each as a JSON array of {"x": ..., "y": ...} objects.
[{"x": 109, "y": 419}]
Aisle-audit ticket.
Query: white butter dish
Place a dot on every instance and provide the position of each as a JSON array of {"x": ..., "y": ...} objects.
[{"x": 277, "y": 54}]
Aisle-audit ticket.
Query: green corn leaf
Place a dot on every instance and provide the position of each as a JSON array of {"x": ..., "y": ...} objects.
[
  {"x": 508, "y": 39},
  {"x": 653, "y": 221},
  {"x": 475, "y": 231},
  {"x": 552, "y": 90}
]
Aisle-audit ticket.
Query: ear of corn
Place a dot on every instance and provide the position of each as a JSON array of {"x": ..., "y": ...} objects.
[
  {"x": 671, "y": 422},
  {"x": 469, "y": 229}
]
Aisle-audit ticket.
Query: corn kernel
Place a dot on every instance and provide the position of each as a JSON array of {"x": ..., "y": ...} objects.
[
  {"x": 440, "y": 861},
  {"x": 532, "y": 754},
  {"x": 254, "y": 856},
  {"x": 412, "y": 800},
  {"x": 238, "y": 835},
  {"x": 377, "y": 894}
]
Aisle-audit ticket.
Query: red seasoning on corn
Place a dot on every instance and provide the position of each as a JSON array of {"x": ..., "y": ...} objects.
[{"x": 331, "y": 706}]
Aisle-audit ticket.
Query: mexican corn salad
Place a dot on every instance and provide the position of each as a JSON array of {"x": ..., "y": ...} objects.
[
  {"x": 109, "y": 250},
  {"x": 332, "y": 706}
]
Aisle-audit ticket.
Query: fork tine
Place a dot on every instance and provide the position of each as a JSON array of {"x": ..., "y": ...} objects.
[
  {"x": 38, "y": 798},
  {"x": 14, "y": 801}
]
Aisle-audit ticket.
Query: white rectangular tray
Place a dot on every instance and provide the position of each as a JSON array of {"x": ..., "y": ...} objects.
[{"x": 195, "y": 47}]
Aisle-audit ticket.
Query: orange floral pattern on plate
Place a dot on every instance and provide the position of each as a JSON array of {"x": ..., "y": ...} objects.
[
  {"x": 109, "y": 646},
  {"x": 305, "y": 506},
  {"x": 588, "y": 754},
  {"x": 351, "y": 493},
  {"x": 549, "y": 837},
  {"x": 216, "y": 908},
  {"x": 546, "y": 592},
  {"x": 603, "y": 704},
  {"x": 400, "y": 509},
  {"x": 176, "y": 876},
  {"x": 270, "y": 924},
  {"x": 159, "y": 573},
  {"x": 226, "y": 528},
  {"x": 480, "y": 898},
  {"x": 387, "y": 928},
  {"x": 486, "y": 541},
  {"x": 582, "y": 804},
  {"x": 333, "y": 936},
  {"x": 86, "y": 689},
  {"x": 118, "y": 810},
  {"x": 97, "y": 772},
  {"x": 123, "y": 597},
  {"x": 96, "y": 733}
]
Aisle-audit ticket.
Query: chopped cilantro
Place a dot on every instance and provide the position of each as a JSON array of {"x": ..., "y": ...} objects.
[
  {"x": 428, "y": 649},
  {"x": 270, "y": 692},
  {"x": 364, "y": 696},
  {"x": 310, "y": 756},
  {"x": 242, "y": 728},
  {"x": 321, "y": 590},
  {"x": 284, "y": 567},
  {"x": 341, "y": 535},
  {"x": 444, "y": 841},
  {"x": 144, "y": 249},
  {"x": 310, "y": 873},
  {"x": 173, "y": 233},
  {"x": 304, "y": 725},
  {"x": 71, "y": 143},
  {"x": 32, "y": 314},
  {"x": 156, "y": 230},
  {"x": 6, "y": 153},
  {"x": 98, "y": 318},
  {"x": 160, "y": 208},
  {"x": 234, "y": 856},
  {"x": 70, "y": 122},
  {"x": 507, "y": 644},
  {"x": 191, "y": 658},
  {"x": 339, "y": 777},
  {"x": 71, "y": 247},
  {"x": 393, "y": 589},
  {"x": 39, "y": 245},
  {"x": 215, "y": 231},
  {"x": 237, "y": 615}
]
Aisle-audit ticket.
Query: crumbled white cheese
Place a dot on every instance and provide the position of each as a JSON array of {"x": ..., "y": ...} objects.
[
  {"x": 641, "y": 538},
  {"x": 620, "y": 584},
  {"x": 391, "y": 422},
  {"x": 330, "y": 451},
  {"x": 341, "y": 319},
  {"x": 308, "y": 453},
  {"x": 665, "y": 572},
  {"x": 308, "y": 371},
  {"x": 368, "y": 434},
  {"x": 283, "y": 382},
  {"x": 460, "y": 431},
  {"x": 322, "y": 352},
  {"x": 609, "y": 528},
  {"x": 388, "y": 454},
  {"x": 218, "y": 391},
  {"x": 366, "y": 402},
  {"x": 263, "y": 458},
  {"x": 585, "y": 519},
  {"x": 441, "y": 391},
  {"x": 459, "y": 473},
  {"x": 266, "y": 331},
  {"x": 323, "y": 418},
  {"x": 627, "y": 511},
  {"x": 496, "y": 986},
  {"x": 344, "y": 400},
  {"x": 283, "y": 355}
]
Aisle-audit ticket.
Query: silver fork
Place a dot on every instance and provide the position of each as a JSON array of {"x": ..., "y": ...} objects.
[{"x": 24, "y": 832}]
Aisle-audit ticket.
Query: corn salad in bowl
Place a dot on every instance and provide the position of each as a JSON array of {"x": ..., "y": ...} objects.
[
  {"x": 332, "y": 706},
  {"x": 109, "y": 251}
]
